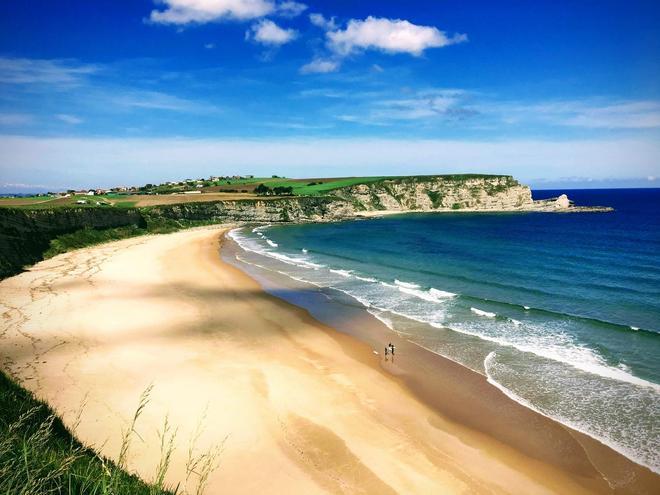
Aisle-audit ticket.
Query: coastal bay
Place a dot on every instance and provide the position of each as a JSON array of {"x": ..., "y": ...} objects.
[{"x": 295, "y": 405}]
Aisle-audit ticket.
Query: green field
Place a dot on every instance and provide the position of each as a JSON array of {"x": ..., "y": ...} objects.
[
  {"x": 37, "y": 202},
  {"x": 221, "y": 190},
  {"x": 305, "y": 187},
  {"x": 320, "y": 186}
]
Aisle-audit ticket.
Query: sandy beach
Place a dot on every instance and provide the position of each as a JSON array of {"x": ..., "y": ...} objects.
[{"x": 296, "y": 407}]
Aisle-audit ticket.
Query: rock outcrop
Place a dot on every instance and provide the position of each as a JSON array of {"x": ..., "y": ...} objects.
[{"x": 438, "y": 193}]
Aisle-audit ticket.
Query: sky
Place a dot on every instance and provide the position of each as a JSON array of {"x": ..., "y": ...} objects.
[{"x": 560, "y": 94}]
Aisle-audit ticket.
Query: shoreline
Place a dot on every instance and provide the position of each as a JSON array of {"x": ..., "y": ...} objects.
[
  {"x": 536, "y": 209},
  {"x": 416, "y": 378},
  {"x": 311, "y": 406}
]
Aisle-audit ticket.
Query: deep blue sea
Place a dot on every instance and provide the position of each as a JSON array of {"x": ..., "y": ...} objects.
[{"x": 559, "y": 311}]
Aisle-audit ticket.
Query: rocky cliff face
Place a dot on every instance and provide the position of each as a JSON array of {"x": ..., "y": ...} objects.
[
  {"x": 440, "y": 193},
  {"x": 304, "y": 209},
  {"x": 26, "y": 234}
]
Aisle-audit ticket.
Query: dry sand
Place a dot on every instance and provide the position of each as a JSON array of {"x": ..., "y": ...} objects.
[{"x": 299, "y": 407}]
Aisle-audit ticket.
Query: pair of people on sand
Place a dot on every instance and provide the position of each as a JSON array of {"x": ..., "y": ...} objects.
[{"x": 389, "y": 348}]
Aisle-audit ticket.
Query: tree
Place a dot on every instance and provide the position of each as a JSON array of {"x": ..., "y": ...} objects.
[
  {"x": 262, "y": 190},
  {"x": 283, "y": 191}
]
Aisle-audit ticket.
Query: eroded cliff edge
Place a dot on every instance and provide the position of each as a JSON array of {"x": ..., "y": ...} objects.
[
  {"x": 396, "y": 195},
  {"x": 25, "y": 235}
]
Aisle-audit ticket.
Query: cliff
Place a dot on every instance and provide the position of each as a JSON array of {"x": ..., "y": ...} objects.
[
  {"x": 25, "y": 235},
  {"x": 438, "y": 193}
]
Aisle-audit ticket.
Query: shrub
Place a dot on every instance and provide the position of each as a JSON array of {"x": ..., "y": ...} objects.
[{"x": 435, "y": 197}]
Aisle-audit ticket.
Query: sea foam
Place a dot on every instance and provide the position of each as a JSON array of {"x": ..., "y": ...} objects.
[
  {"x": 343, "y": 273},
  {"x": 647, "y": 456},
  {"x": 480, "y": 312},
  {"x": 407, "y": 285}
]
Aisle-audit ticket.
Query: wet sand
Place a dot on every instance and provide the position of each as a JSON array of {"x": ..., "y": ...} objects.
[{"x": 298, "y": 406}]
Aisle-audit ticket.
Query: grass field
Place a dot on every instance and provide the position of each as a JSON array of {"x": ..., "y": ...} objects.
[
  {"x": 120, "y": 201},
  {"x": 230, "y": 190},
  {"x": 301, "y": 187},
  {"x": 55, "y": 202},
  {"x": 225, "y": 190},
  {"x": 38, "y": 455}
]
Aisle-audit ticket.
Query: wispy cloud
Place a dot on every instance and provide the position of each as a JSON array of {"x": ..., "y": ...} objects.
[
  {"x": 319, "y": 20},
  {"x": 55, "y": 72},
  {"x": 290, "y": 8},
  {"x": 21, "y": 185},
  {"x": 51, "y": 92},
  {"x": 320, "y": 66},
  {"x": 154, "y": 100},
  {"x": 324, "y": 92},
  {"x": 15, "y": 119},
  {"x": 593, "y": 114},
  {"x": 628, "y": 115},
  {"x": 69, "y": 119},
  {"x": 384, "y": 108},
  {"x": 267, "y": 32},
  {"x": 298, "y": 126},
  {"x": 481, "y": 111}
]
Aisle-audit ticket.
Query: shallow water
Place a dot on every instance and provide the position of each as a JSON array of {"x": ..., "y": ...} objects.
[{"x": 560, "y": 311}]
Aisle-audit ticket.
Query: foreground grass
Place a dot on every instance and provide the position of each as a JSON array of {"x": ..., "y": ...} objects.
[{"x": 38, "y": 455}]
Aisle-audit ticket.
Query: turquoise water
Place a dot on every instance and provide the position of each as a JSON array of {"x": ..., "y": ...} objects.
[{"x": 559, "y": 311}]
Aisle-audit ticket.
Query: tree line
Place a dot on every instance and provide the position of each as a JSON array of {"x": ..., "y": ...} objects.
[{"x": 264, "y": 190}]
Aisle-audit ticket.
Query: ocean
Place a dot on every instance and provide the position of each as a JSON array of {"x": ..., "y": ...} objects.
[{"x": 559, "y": 311}]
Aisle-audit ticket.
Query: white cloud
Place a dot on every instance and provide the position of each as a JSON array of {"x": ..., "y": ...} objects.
[
  {"x": 13, "y": 119},
  {"x": 13, "y": 185},
  {"x": 630, "y": 115},
  {"x": 269, "y": 33},
  {"x": 384, "y": 108},
  {"x": 209, "y": 46},
  {"x": 69, "y": 119},
  {"x": 108, "y": 161},
  {"x": 391, "y": 36},
  {"x": 324, "y": 23},
  {"x": 594, "y": 114},
  {"x": 203, "y": 11},
  {"x": 320, "y": 66},
  {"x": 291, "y": 9},
  {"x": 39, "y": 71},
  {"x": 155, "y": 100}
]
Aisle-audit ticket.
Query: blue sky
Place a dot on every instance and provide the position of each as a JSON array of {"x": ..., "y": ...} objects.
[{"x": 559, "y": 94}]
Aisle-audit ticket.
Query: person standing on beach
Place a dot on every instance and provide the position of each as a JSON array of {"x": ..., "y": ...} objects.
[
  {"x": 392, "y": 348},
  {"x": 386, "y": 351}
]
